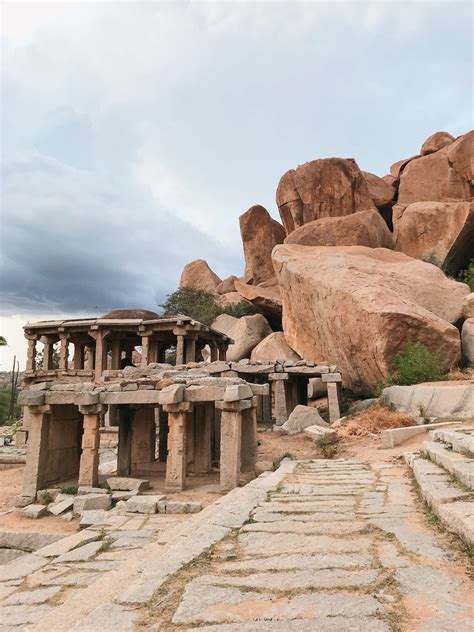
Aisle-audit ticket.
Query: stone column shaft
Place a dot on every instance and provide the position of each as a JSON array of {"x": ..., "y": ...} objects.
[
  {"x": 214, "y": 351},
  {"x": 176, "y": 461},
  {"x": 281, "y": 409},
  {"x": 145, "y": 352},
  {"x": 334, "y": 392},
  {"x": 231, "y": 437},
  {"x": 48, "y": 356},
  {"x": 249, "y": 440},
  {"x": 64, "y": 352},
  {"x": 124, "y": 441},
  {"x": 31, "y": 355},
  {"x": 116, "y": 354},
  {"x": 100, "y": 355},
  {"x": 36, "y": 467},
  {"x": 89, "y": 464},
  {"x": 179, "y": 349},
  {"x": 202, "y": 439},
  {"x": 190, "y": 348},
  {"x": 143, "y": 438}
]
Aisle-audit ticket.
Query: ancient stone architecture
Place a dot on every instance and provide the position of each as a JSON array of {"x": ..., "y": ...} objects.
[{"x": 173, "y": 420}]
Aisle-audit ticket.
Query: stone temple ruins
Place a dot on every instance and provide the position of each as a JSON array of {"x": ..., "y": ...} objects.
[{"x": 175, "y": 419}]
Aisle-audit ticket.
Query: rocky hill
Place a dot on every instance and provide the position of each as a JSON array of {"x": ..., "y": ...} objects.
[{"x": 360, "y": 266}]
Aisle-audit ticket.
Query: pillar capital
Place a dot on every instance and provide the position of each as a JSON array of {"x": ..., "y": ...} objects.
[
  {"x": 92, "y": 409},
  {"x": 31, "y": 336},
  {"x": 180, "y": 407},
  {"x": 236, "y": 407}
]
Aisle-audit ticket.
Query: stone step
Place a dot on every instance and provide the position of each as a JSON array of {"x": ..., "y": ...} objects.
[
  {"x": 453, "y": 506},
  {"x": 460, "y": 440},
  {"x": 460, "y": 466}
]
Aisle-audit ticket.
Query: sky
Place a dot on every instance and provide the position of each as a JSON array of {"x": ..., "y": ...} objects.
[{"x": 135, "y": 134}]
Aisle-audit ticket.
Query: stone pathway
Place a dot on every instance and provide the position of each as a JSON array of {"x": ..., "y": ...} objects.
[{"x": 338, "y": 545}]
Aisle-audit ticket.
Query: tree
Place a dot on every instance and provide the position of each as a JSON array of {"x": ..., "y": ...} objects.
[{"x": 3, "y": 342}]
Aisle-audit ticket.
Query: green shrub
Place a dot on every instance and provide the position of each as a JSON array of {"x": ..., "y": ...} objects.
[
  {"x": 467, "y": 275},
  {"x": 415, "y": 364},
  {"x": 202, "y": 306},
  {"x": 5, "y": 395}
]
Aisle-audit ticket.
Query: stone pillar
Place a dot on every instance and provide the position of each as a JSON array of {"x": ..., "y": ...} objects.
[
  {"x": 31, "y": 353},
  {"x": 176, "y": 461},
  {"x": 190, "y": 438},
  {"x": 191, "y": 346},
  {"x": 214, "y": 352},
  {"x": 179, "y": 349},
  {"x": 100, "y": 354},
  {"x": 154, "y": 350},
  {"x": 231, "y": 438},
  {"x": 223, "y": 352},
  {"x": 89, "y": 464},
  {"x": 281, "y": 402},
  {"x": 48, "y": 354},
  {"x": 89, "y": 356},
  {"x": 116, "y": 353},
  {"x": 36, "y": 467},
  {"x": 63, "y": 351},
  {"x": 163, "y": 436},
  {"x": 124, "y": 440},
  {"x": 143, "y": 438},
  {"x": 78, "y": 356},
  {"x": 162, "y": 352},
  {"x": 145, "y": 351},
  {"x": 204, "y": 416},
  {"x": 267, "y": 409},
  {"x": 249, "y": 442},
  {"x": 334, "y": 396}
]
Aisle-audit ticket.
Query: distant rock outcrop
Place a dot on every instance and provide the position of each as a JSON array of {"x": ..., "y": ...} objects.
[
  {"x": 260, "y": 234},
  {"x": 199, "y": 276},
  {"x": 364, "y": 306},
  {"x": 246, "y": 332}
]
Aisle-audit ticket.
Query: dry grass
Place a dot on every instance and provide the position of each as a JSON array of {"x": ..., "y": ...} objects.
[
  {"x": 460, "y": 374},
  {"x": 372, "y": 421}
]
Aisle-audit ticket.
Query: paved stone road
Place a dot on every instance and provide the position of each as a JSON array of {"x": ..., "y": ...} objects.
[{"x": 338, "y": 545}]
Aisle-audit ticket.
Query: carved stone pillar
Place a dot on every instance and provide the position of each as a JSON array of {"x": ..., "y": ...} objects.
[
  {"x": 100, "y": 352},
  {"x": 145, "y": 361},
  {"x": 48, "y": 353},
  {"x": 125, "y": 415},
  {"x": 190, "y": 347},
  {"x": 334, "y": 397},
  {"x": 36, "y": 466},
  {"x": 213, "y": 347},
  {"x": 63, "y": 351},
  {"x": 176, "y": 461},
  {"x": 31, "y": 353},
  {"x": 223, "y": 351},
  {"x": 278, "y": 383},
  {"x": 89, "y": 464},
  {"x": 179, "y": 349}
]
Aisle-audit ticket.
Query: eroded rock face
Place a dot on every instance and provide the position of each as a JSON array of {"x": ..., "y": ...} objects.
[
  {"x": 432, "y": 178},
  {"x": 273, "y": 348},
  {"x": 231, "y": 298},
  {"x": 322, "y": 188},
  {"x": 381, "y": 190},
  {"x": 467, "y": 337},
  {"x": 260, "y": 234},
  {"x": 365, "y": 228},
  {"x": 461, "y": 155},
  {"x": 438, "y": 232},
  {"x": 358, "y": 307},
  {"x": 435, "y": 142},
  {"x": 468, "y": 306},
  {"x": 246, "y": 332},
  {"x": 199, "y": 276},
  {"x": 266, "y": 298},
  {"x": 227, "y": 285}
]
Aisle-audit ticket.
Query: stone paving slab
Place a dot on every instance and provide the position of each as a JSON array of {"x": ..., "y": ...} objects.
[
  {"x": 271, "y": 544},
  {"x": 306, "y": 527},
  {"x": 331, "y": 624},
  {"x": 301, "y": 561}
]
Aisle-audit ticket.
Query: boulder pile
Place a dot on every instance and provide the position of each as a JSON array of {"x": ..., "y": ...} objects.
[{"x": 360, "y": 266}]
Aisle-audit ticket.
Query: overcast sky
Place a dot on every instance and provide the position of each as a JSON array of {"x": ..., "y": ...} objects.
[{"x": 135, "y": 134}]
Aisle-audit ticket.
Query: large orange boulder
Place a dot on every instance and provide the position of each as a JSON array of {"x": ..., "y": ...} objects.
[
  {"x": 381, "y": 190},
  {"x": 199, "y": 276},
  {"x": 266, "y": 297},
  {"x": 432, "y": 178},
  {"x": 260, "y": 234},
  {"x": 322, "y": 188},
  {"x": 358, "y": 307},
  {"x": 436, "y": 142},
  {"x": 365, "y": 228},
  {"x": 438, "y": 232},
  {"x": 461, "y": 156}
]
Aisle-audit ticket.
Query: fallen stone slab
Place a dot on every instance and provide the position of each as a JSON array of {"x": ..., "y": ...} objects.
[
  {"x": 444, "y": 399},
  {"x": 396, "y": 436},
  {"x": 118, "y": 496},
  {"x": 83, "y": 489},
  {"x": 330, "y": 624},
  {"x": 30, "y": 597},
  {"x": 26, "y": 540},
  {"x": 92, "y": 517},
  {"x": 34, "y": 511},
  {"x": 64, "y": 505},
  {"x": 120, "y": 483},
  {"x": 319, "y": 432},
  {"x": 143, "y": 504},
  {"x": 68, "y": 543},
  {"x": 81, "y": 554},
  {"x": 26, "y": 615},
  {"x": 109, "y": 616},
  {"x": 47, "y": 496},
  {"x": 91, "y": 501},
  {"x": 20, "y": 568},
  {"x": 182, "y": 507}
]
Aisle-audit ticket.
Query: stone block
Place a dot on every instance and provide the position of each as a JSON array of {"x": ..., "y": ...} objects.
[
  {"x": 173, "y": 394},
  {"x": 82, "y": 553},
  {"x": 395, "y": 436},
  {"x": 182, "y": 507},
  {"x": 91, "y": 501},
  {"x": 23, "y": 501},
  {"x": 84, "y": 489},
  {"x": 64, "y": 505},
  {"x": 236, "y": 392},
  {"x": 124, "y": 484},
  {"x": 203, "y": 393},
  {"x": 68, "y": 543},
  {"x": 319, "y": 432},
  {"x": 26, "y": 540},
  {"x": 161, "y": 506},
  {"x": 31, "y": 398},
  {"x": 34, "y": 511},
  {"x": 303, "y": 417},
  {"x": 92, "y": 517},
  {"x": 331, "y": 377},
  {"x": 143, "y": 504},
  {"x": 120, "y": 495}
]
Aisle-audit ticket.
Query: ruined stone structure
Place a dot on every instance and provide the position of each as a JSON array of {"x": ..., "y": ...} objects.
[{"x": 179, "y": 420}]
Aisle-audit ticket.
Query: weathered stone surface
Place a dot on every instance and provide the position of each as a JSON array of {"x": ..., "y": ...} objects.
[
  {"x": 300, "y": 561},
  {"x": 330, "y": 624},
  {"x": 275, "y": 543},
  {"x": 266, "y": 297},
  {"x": 316, "y": 388},
  {"x": 92, "y": 517},
  {"x": 436, "y": 141},
  {"x": 458, "y": 517},
  {"x": 124, "y": 484},
  {"x": 26, "y": 541},
  {"x": 364, "y": 228},
  {"x": 7, "y": 555},
  {"x": 467, "y": 341},
  {"x": 81, "y": 554},
  {"x": 302, "y": 417},
  {"x": 106, "y": 617},
  {"x": 387, "y": 298},
  {"x": 432, "y": 178},
  {"x": 22, "y": 567},
  {"x": 437, "y": 232},
  {"x": 23, "y": 616},
  {"x": 173, "y": 394},
  {"x": 381, "y": 191},
  {"x": 198, "y": 275},
  {"x": 227, "y": 285},
  {"x": 30, "y": 597},
  {"x": 321, "y": 188},
  {"x": 236, "y": 392},
  {"x": 63, "y": 505},
  {"x": 182, "y": 507},
  {"x": 274, "y": 348},
  {"x": 438, "y": 400},
  {"x": 461, "y": 155},
  {"x": 318, "y": 432},
  {"x": 34, "y": 511},
  {"x": 143, "y": 504},
  {"x": 46, "y": 496},
  {"x": 468, "y": 306},
  {"x": 260, "y": 234},
  {"x": 91, "y": 501},
  {"x": 246, "y": 332},
  {"x": 64, "y": 545},
  {"x": 232, "y": 298}
]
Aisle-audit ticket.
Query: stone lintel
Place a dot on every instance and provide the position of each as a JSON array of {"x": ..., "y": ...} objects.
[
  {"x": 180, "y": 407},
  {"x": 236, "y": 392},
  {"x": 273, "y": 377},
  {"x": 31, "y": 398},
  {"x": 92, "y": 409},
  {"x": 173, "y": 394},
  {"x": 204, "y": 393},
  {"x": 130, "y": 397},
  {"x": 39, "y": 410},
  {"x": 235, "y": 407},
  {"x": 332, "y": 377},
  {"x": 70, "y": 397}
]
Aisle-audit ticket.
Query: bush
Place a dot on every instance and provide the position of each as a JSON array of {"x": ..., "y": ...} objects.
[
  {"x": 202, "y": 306},
  {"x": 467, "y": 275},
  {"x": 5, "y": 394},
  {"x": 415, "y": 364}
]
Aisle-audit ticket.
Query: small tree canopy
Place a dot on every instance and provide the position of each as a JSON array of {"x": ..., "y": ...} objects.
[{"x": 415, "y": 364}]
